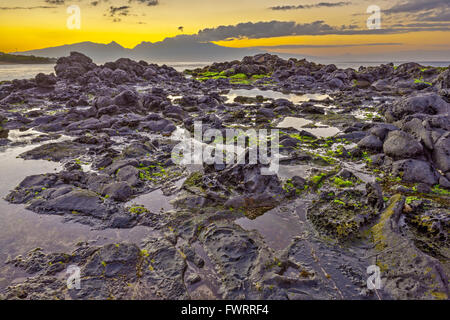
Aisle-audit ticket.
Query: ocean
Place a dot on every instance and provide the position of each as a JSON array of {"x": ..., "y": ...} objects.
[
  {"x": 23, "y": 71},
  {"x": 27, "y": 71}
]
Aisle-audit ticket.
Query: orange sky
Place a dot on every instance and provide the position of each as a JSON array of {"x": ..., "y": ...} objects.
[{"x": 25, "y": 25}]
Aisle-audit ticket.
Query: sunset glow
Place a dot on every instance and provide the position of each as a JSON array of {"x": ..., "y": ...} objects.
[{"x": 34, "y": 24}]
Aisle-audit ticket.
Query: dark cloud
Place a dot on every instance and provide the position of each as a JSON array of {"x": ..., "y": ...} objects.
[
  {"x": 59, "y": 2},
  {"x": 310, "y": 6},
  {"x": 263, "y": 30},
  {"x": 421, "y": 25},
  {"x": 118, "y": 11},
  {"x": 429, "y": 10},
  {"x": 443, "y": 16},
  {"x": 124, "y": 11},
  {"x": 27, "y": 8},
  {"x": 146, "y": 2},
  {"x": 412, "y": 6},
  {"x": 289, "y": 28}
]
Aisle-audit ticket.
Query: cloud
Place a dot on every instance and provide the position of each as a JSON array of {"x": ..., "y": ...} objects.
[
  {"x": 303, "y": 46},
  {"x": 310, "y": 6},
  {"x": 27, "y": 8},
  {"x": 261, "y": 30},
  {"x": 119, "y": 11},
  {"x": 430, "y": 10},
  {"x": 124, "y": 11},
  {"x": 411, "y": 6},
  {"x": 443, "y": 16},
  {"x": 149, "y": 3},
  {"x": 272, "y": 29},
  {"x": 421, "y": 25},
  {"x": 58, "y": 2}
]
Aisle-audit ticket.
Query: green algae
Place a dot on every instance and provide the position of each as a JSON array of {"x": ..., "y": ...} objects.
[{"x": 377, "y": 231}]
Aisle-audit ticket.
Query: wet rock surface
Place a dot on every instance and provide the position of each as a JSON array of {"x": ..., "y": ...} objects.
[{"x": 363, "y": 180}]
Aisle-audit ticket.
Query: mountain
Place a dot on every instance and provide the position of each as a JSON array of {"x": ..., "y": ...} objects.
[
  {"x": 169, "y": 50},
  {"x": 97, "y": 51},
  {"x": 172, "y": 49}
]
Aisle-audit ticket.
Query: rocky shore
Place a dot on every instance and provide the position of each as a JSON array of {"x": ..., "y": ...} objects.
[{"x": 364, "y": 180}]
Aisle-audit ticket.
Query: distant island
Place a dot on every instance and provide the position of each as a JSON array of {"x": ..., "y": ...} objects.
[
  {"x": 6, "y": 58},
  {"x": 175, "y": 50}
]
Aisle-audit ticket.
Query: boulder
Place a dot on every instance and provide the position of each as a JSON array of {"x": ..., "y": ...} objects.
[
  {"x": 129, "y": 174},
  {"x": 427, "y": 103},
  {"x": 371, "y": 142},
  {"x": 335, "y": 83},
  {"x": 120, "y": 191},
  {"x": 401, "y": 145},
  {"x": 416, "y": 128},
  {"x": 119, "y": 76},
  {"x": 381, "y": 85},
  {"x": 382, "y": 130},
  {"x": 45, "y": 81},
  {"x": 126, "y": 98},
  {"x": 415, "y": 171},
  {"x": 441, "y": 153},
  {"x": 74, "y": 66},
  {"x": 102, "y": 102}
]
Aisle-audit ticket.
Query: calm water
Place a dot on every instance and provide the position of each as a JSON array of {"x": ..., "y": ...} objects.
[
  {"x": 23, "y": 71},
  {"x": 22, "y": 230}
]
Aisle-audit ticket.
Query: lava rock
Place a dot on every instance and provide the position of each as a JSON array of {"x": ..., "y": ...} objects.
[{"x": 401, "y": 145}]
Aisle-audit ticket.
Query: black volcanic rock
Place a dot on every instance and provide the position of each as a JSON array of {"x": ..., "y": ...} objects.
[
  {"x": 401, "y": 145},
  {"x": 429, "y": 103},
  {"x": 74, "y": 66},
  {"x": 45, "y": 81},
  {"x": 415, "y": 171}
]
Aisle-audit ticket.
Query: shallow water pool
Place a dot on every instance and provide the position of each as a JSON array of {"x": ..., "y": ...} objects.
[
  {"x": 300, "y": 124},
  {"x": 270, "y": 94}
]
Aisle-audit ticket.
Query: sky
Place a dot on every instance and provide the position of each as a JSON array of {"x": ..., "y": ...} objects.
[{"x": 310, "y": 27}]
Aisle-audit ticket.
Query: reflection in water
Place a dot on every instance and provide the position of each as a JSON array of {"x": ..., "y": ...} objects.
[
  {"x": 280, "y": 225},
  {"x": 23, "y": 71},
  {"x": 291, "y": 122},
  {"x": 299, "y": 124},
  {"x": 22, "y": 230},
  {"x": 21, "y": 136},
  {"x": 294, "y": 98},
  {"x": 154, "y": 201},
  {"x": 290, "y": 171}
]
